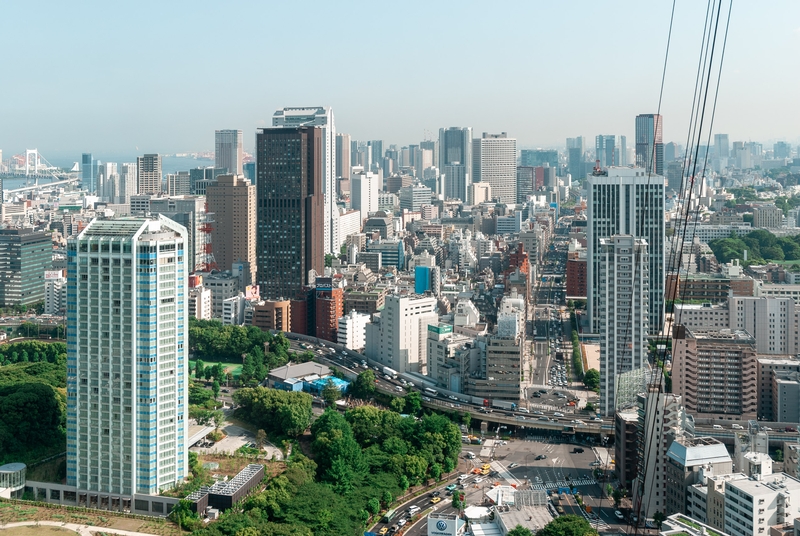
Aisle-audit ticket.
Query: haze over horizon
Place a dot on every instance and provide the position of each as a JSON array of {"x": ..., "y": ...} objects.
[{"x": 145, "y": 77}]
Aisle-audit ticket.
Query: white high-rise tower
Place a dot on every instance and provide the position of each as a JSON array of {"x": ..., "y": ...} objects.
[
  {"x": 319, "y": 116},
  {"x": 228, "y": 151},
  {"x": 626, "y": 201},
  {"x": 127, "y": 383}
]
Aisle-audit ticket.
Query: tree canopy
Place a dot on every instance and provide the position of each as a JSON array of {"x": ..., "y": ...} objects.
[
  {"x": 568, "y": 525},
  {"x": 281, "y": 412},
  {"x": 761, "y": 245}
]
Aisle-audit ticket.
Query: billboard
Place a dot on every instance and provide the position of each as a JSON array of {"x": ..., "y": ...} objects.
[
  {"x": 53, "y": 274},
  {"x": 442, "y": 525}
]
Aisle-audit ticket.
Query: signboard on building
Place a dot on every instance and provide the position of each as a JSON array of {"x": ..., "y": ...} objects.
[
  {"x": 440, "y": 329},
  {"x": 442, "y": 525},
  {"x": 53, "y": 274}
]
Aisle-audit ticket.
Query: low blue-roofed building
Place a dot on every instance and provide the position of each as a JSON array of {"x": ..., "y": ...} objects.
[
  {"x": 289, "y": 384},
  {"x": 316, "y": 386}
]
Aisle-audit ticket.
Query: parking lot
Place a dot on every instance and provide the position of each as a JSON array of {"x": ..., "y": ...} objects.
[{"x": 237, "y": 437}]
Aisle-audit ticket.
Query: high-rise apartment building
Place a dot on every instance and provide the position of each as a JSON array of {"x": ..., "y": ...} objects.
[
  {"x": 626, "y": 201},
  {"x": 343, "y": 156},
  {"x": 232, "y": 200},
  {"x": 715, "y": 372},
  {"x": 605, "y": 150},
  {"x": 321, "y": 117},
  {"x": 88, "y": 172},
  {"x": 377, "y": 152},
  {"x": 229, "y": 151},
  {"x": 178, "y": 183},
  {"x": 650, "y": 143},
  {"x": 494, "y": 160},
  {"x": 25, "y": 255},
  {"x": 55, "y": 292},
  {"x": 455, "y": 161},
  {"x": 291, "y": 230},
  {"x": 108, "y": 183},
  {"x": 148, "y": 171},
  {"x": 623, "y": 296},
  {"x": 128, "y": 184},
  {"x": 781, "y": 149},
  {"x": 127, "y": 385}
]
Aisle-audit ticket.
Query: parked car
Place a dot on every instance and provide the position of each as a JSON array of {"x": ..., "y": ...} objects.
[
  {"x": 541, "y": 457},
  {"x": 619, "y": 515}
]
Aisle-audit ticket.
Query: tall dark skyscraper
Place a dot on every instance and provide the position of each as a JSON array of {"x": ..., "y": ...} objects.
[
  {"x": 575, "y": 157},
  {"x": 648, "y": 138},
  {"x": 455, "y": 161},
  {"x": 291, "y": 232}
]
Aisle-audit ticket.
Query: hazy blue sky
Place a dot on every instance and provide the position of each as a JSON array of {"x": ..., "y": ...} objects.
[{"x": 130, "y": 77}]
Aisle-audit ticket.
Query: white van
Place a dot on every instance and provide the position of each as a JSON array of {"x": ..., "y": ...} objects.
[
  {"x": 717, "y": 427},
  {"x": 413, "y": 509}
]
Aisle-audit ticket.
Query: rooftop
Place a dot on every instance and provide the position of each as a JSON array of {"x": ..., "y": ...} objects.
[
  {"x": 698, "y": 451},
  {"x": 767, "y": 484},
  {"x": 300, "y": 370}
]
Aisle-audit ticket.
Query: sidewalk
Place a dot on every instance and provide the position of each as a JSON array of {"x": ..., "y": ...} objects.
[{"x": 83, "y": 530}]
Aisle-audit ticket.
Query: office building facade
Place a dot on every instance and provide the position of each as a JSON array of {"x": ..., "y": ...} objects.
[
  {"x": 343, "y": 156},
  {"x": 88, "y": 172},
  {"x": 494, "y": 160},
  {"x": 364, "y": 189},
  {"x": 322, "y": 118},
  {"x": 455, "y": 161},
  {"x": 290, "y": 211},
  {"x": 229, "y": 151},
  {"x": 232, "y": 200},
  {"x": 25, "y": 255},
  {"x": 127, "y": 405},
  {"x": 650, "y": 143},
  {"x": 626, "y": 201}
]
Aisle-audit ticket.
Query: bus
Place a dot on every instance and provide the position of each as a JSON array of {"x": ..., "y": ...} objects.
[
  {"x": 431, "y": 392},
  {"x": 388, "y": 516}
]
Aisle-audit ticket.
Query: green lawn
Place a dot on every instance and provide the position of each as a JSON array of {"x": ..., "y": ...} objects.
[{"x": 235, "y": 369}]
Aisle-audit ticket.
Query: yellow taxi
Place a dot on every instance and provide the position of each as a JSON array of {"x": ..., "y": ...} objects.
[
  {"x": 486, "y": 467},
  {"x": 383, "y": 531},
  {"x": 435, "y": 500}
]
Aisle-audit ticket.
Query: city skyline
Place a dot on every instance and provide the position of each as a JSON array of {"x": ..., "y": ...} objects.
[{"x": 541, "y": 114}]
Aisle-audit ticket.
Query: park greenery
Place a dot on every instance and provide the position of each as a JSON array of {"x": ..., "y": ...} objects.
[
  {"x": 761, "y": 246},
  {"x": 275, "y": 411},
  {"x": 33, "y": 400},
  {"x": 258, "y": 351},
  {"x": 355, "y": 465},
  {"x": 591, "y": 379},
  {"x": 567, "y": 525}
]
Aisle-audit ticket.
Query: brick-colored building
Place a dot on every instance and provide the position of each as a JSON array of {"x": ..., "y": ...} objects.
[
  {"x": 577, "y": 275},
  {"x": 273, "y": 314},
  {"x": 328, "y": 308}
]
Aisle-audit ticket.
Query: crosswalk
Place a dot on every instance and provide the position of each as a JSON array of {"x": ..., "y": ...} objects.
[{"x": 565, "y": 484}]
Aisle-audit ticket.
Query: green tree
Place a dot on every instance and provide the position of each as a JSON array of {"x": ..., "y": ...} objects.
[
  {"x": 590, "y": 406},
  {"x": 413, "y": 402},
  {"x": 386, "y": 498},
  {"x": 261, "y": 439},
  {"x": 466, "y": 419},
  {"x": 398, "y": 404},
  {"x": 592, "y": 379},
  {"x": 208, "y": 373},
  {"x": 458, "y": 500},
  {"x": 331, "y": 393},
  {"x": 567, "y": 525},
  {"x": 779, "y": 455},
  {"x": 199, "y": 369},
  {"x": 373, "y": 505},
  {"x": 659, "y": 518},
  {"x": 436, "y": 471},
  {"x": 519, "y": 530},
  {"x": 364, "y": 386},
  {"x": 617, "y": 495},
  {"x": 215, "y": 389}
]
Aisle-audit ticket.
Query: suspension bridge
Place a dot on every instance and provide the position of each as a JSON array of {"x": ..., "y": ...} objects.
[{"x": 36, "y": 171}]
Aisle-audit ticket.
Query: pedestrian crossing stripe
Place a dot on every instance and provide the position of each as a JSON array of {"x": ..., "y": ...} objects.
[{"x": 570, "y": 484}]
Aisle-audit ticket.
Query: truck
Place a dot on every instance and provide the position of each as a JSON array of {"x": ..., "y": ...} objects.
[
  {"x": 502, "y": 404},
  {"x": 390, "y": 372}
]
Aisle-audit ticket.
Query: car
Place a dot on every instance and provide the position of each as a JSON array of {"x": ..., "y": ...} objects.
[
  {"x": 537, "y": 395},
  {"x": 544, "y": 419},
  {"x": 619, "y": 515},
  {"x": 226, "y": 391},
  {"x": 560, "y": 509},
  {"x": 523, "y": 410},
  {"x": 383, "y": 531},
  {"x": 426, "y": 399},
  {"x": 435, "y": 493},
  {"x": 479, "y": 480},
  {"x": 649, "y": 525},
  {"x": 513, "y": 465},
  {"x": 537, "y": 412},
  {"x": 451, "y": 487},
  {"x": 402, "y": 522},
  {"x": 577, "y": 450},
  {"x": 766, "y": 428},
  {"x": 541, "y": 457},
  {"x": 790, "y": 429},
  {"x": 595, "y": 464},
  {"x": 597, "y": 419},
  {"x": 486, "y": 466},
  {"x": 717, "y": 427},
  {"x": 737, "y": 427},
  {"x": 463, "y": 477},
  {"x": 558, "y": 414},
  {"x": 485, "y": 472},
  {"x": 435, "y": 500},
  {"x": 451, "y": 397}
]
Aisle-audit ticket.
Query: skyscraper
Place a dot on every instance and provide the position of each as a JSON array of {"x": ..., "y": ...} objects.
[
  {"x": 343, "y": 156},
  {"x": 623, "y": 294},
  {"x": 107, "y": 181},
  {"x": 650, "y": 143},
  {"x": 622, "y": 151},
  {"x": 722, "y": 146},
  {"x": 322, "y": 117},
  {"x": 605, "y": 150},
  {"x": 148, "y": 170},
  {"x": 626, "y": 201},
  {"x": 575, "y": 157},
  {"x": 291, "y": 229},
  {"x": 455, "y": 161},
  {"x": 127, "y": 183},
  {"x": 377, "y": 152},
  {"x": 364, "y": 190},
  {"x": 539, "y": 158},
  {"x": 232, "y": 200},
  {"x": 127, "y": 384},
  {"x": 496, "y": 158},
  {"x": 25, "y": 254},
  {"x": 228, "y": 151},
  {"x": 88, "y": 172}
]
